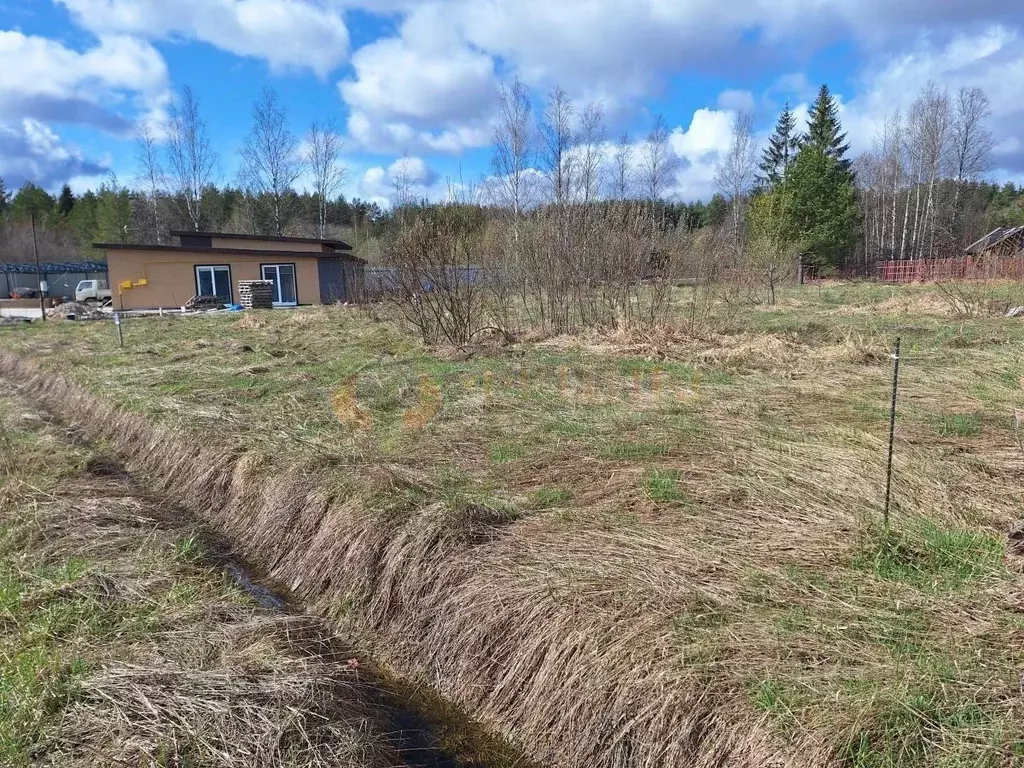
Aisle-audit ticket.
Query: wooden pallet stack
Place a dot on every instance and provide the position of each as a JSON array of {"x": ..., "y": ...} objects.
[{"x": 256, "y": 294}]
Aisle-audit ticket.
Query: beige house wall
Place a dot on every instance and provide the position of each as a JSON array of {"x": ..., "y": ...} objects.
[{"x": 171, "y": 276}]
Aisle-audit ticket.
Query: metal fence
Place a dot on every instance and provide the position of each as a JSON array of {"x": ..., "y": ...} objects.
[{"x": 61, "y": 277}]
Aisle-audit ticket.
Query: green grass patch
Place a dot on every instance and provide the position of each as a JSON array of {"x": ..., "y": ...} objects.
[
  {"x": 548, "y": 498},
  {"x": 633, "y": 450},
  {"x": 773, "y": 697},
  {"x": 959, "y": 425},
  {"x": 502, "y": 453},
  {"x": 189, "y": 549},
  {"x": 568, "y": 428},
  {"x": 665, "y": 485},
  {"x": 926, "y": 728},
  {"x": 928, "y": 556}
]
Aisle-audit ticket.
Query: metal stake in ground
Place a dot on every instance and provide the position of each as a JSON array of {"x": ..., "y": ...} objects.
[
  {"x": 39, "y": 276},
  {"x": 117, "y": 323},
  {"x": 892, "y": 429}
]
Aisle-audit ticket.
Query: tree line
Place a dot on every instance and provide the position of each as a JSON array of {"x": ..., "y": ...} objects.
[{"x": 920, "y": 192}]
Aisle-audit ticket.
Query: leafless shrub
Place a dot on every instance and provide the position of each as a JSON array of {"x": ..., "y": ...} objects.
[
  {"x": 976, "y": 298},
  {"x": 433, "y": 279},
  {"x": 711, "y": 274},
  {"x": 767, "y": 264},
  {"x": 576, "y": 266}
]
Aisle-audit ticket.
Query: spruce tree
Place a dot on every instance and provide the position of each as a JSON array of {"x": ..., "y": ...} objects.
[
  {"x": 66, "y": 201},
  {"x": 824, "y": 131},
  {"x": 782, "y": 148},
  {"x": 822, "y": 207}
]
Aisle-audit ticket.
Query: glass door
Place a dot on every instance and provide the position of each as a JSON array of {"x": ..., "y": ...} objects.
[
  {"x": 283, "y": 278},
  {"x": 214, "y": 281}
]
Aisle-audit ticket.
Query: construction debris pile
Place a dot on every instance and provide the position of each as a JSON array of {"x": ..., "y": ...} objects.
[
  {"x": 256, "y": 294},
  {"x": 76, "y": 310},
  {"x": 204, "y": 302}
]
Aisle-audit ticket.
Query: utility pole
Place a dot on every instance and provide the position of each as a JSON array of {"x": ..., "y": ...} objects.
[{"x": 39, "y": 276}]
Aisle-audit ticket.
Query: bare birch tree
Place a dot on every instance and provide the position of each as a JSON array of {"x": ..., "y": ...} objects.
[
  {"x": 657, "y": 161},
  {"x": 556, "y": 157},
  {"x": 190, "y": 157},
  {"x": 271, "y": 162},
  {"x": 513, "y": 150},
  {"x": 622, "y": 171},
  {"x": 402, "y": 181},
  {"x": 589, "y": 152},
  {"x": 971, "y": 144},
  {"x": 736, "y": 171},
  {"x": 916, "y": 186},
  {"x": 929, "y": 134},
  {"x": 153, "y": 181},
  {"x": 323, "y": 157}
]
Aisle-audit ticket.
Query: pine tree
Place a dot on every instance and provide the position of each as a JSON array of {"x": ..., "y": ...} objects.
[
  {"x": 782, "y": 148},
  {"x": 718, "y": 210},
  {"x": 66, "y": 201},
  {"x": 5, "y": 197},
  {"x": 824, "y": 131},
  {"x": 32, "y": 201}
]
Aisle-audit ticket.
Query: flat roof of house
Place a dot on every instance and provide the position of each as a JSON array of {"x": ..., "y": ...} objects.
[
  {"x": 228, "y": 251},
  {"x": 341, "y": 245}
]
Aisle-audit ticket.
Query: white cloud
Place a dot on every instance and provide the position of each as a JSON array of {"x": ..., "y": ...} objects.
[
  {"x": 699, "y": 148},
  {"x": 708, "y": 134},
  {"x": 30, "y": 151},
  {"x": 736, "y": 100},
  {"x": 425, "y": 89},
  {"x": 413, "y": 170},
  {"x": 616, "y": 51},
  {"x": 795, "y": 86},
  {"x": 381, "y": 185},
  {"x": 286, "y": 33},
  {"x": 625, "y": 46},
  {"x": 991, "y": 58},
  {"x": 39, "y": 70},
  {"x": 42, "y": 82}
]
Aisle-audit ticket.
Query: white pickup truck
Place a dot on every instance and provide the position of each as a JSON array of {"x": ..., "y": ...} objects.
[{"x": 93, "y": 292}]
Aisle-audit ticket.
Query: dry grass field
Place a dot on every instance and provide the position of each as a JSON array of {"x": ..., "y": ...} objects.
[
  {"x": 123, "y": 643},
  {"x": 615, "y": 550}
]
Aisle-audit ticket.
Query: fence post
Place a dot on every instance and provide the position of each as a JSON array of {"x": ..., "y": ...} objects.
[{"x": 892, "y": 430}]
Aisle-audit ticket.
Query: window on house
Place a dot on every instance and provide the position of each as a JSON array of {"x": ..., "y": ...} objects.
[
  {"x": 214, "y": 281},
  {"x": 283, "y": 278}
]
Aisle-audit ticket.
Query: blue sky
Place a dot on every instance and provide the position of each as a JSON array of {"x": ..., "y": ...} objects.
[{"x": 417, "y": 80}]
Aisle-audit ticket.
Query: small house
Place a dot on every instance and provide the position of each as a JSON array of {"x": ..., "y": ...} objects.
[{"x": 303, "y": 270}]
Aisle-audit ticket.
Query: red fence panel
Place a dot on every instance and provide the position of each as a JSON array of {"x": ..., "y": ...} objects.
[{"x": 961, "y": 268}]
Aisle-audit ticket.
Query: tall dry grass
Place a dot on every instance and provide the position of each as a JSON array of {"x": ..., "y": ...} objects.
[
  {"x": 462, "y": 599},
  {"x": 175, "y": 667},
  {"x": 603, "y": 643}
]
